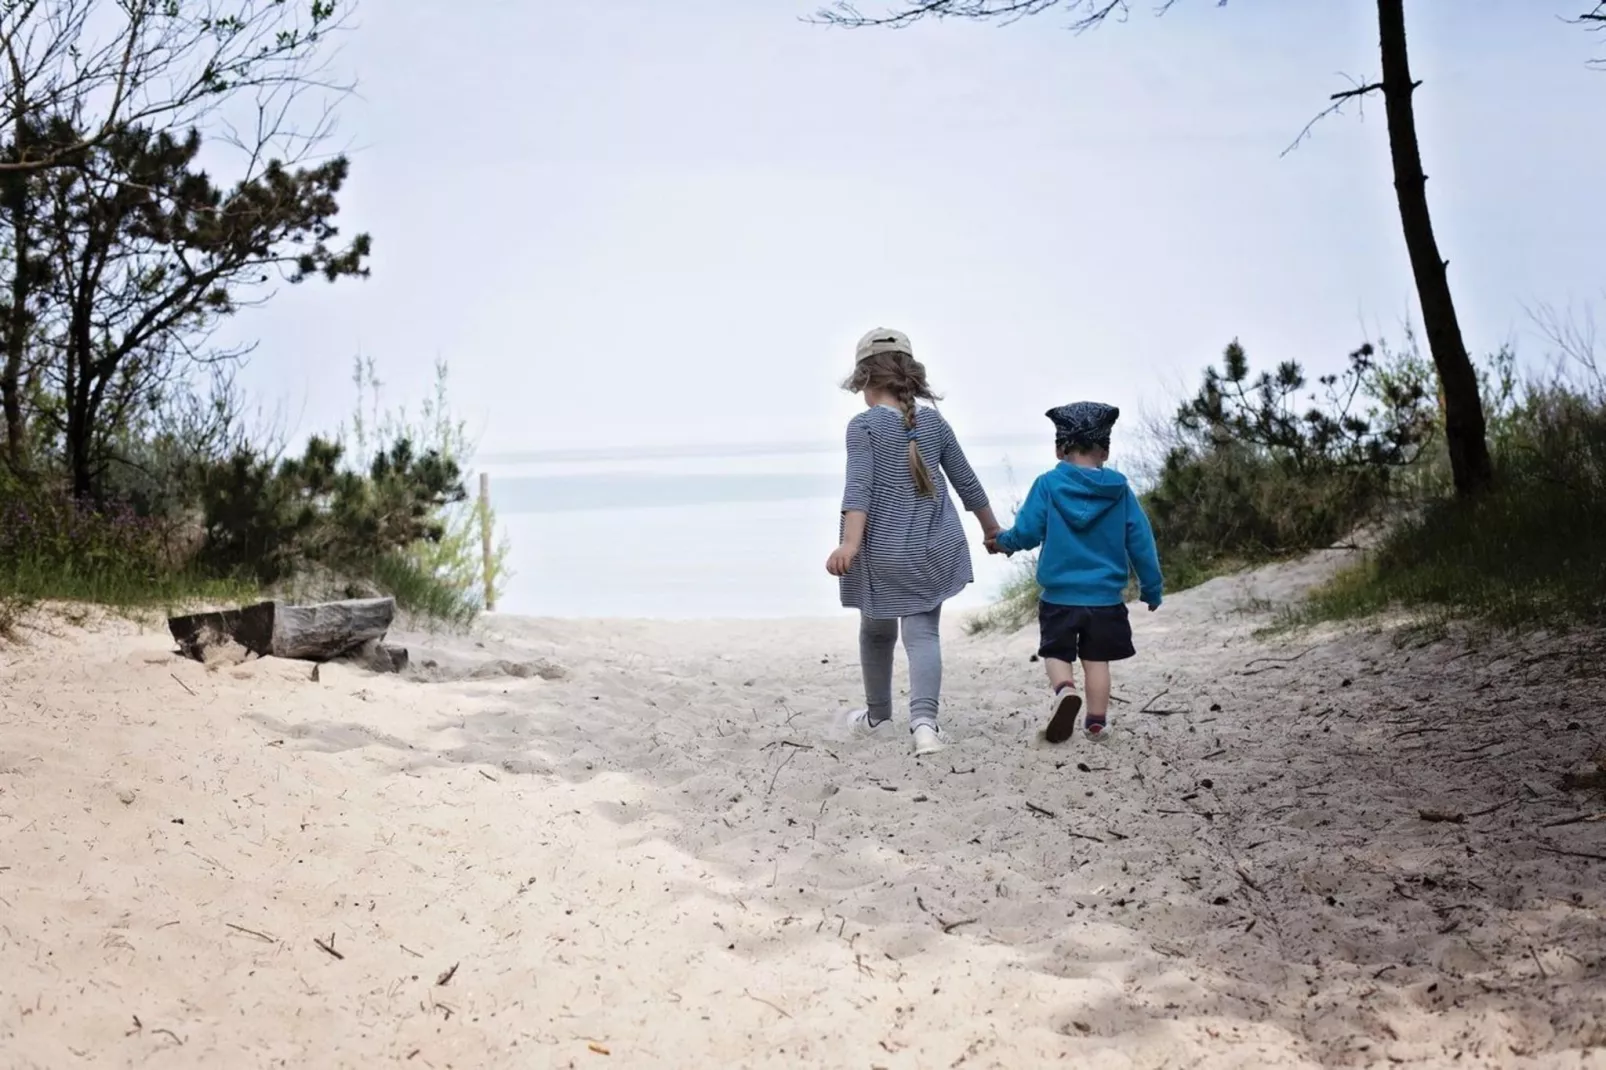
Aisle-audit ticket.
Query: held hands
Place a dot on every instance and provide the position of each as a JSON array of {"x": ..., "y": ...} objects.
[
  {"x": 989, "y": 539},
  {"x": 841, "y": 559}
]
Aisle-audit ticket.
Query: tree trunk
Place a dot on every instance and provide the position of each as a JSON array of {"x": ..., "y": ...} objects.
[{"x": 1464, "y": 429}]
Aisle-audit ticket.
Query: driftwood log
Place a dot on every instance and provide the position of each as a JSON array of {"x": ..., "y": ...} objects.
[{"x": 324, "y": 632}]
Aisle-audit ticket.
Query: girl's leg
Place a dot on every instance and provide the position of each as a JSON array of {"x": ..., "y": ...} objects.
[
  {"x": 924, "y": 648},
  {"x": 1097, "y": 676},
  {"x": 877, "y": 641}
]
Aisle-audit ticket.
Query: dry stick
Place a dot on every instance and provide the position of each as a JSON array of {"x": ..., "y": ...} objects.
[
  {"x": 1148, "y": 707},
  {"x": 784, "y": 762},
  {"x": 446, "y": 977},
  {"x": 1501, "y": 805},
  {"x": 1251, "y": 663},
  {"x": 950, "y": 926},
  {"x": 1034, "y": 808},
  {"x": 182, "y": 684},
  {"x": 1424, "y": 730},
  {"x": 1441, "y": 816},
  {"x": 767, "y": 1003},
  {"x": 328, "y": 948},
  {"x": 1572, "y": 854},
  {"x": 252, "y": 932},
  {"x": 1576, "y": 819}
]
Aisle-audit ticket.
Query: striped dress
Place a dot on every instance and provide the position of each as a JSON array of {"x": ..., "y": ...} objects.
[{"x": 915, "y": 556}]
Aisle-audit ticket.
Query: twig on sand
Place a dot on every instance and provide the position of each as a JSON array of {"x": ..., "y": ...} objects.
[
  {"x": 1572, "y": 854},
  {"x": 961, "y": 772},
  {"x": 946, "y": 926},
  {"x": 1082, "y": 836},
  {"x": 182, "y": 684},
  {"x": 1456, "y": 817},
  {"x": 264, "y": 937},
  {"x": 1148, "y": 707},
  {"x": 1501, "y": 805},
  {"x": 1277, "y": 660},
  {"x": 1576, "y": 819},
  {"x": 1422, "y": 731},
  {"x": 784, "y": 763},
  {"x": 772, "y": 1006},
  {"x": 1034, "y": 808},
  {"x": 329, "y": 948},
  {"x": 446, "y": 977}
]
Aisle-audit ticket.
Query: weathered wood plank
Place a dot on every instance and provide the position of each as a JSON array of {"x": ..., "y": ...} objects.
[{"x": 331, "y": 629}]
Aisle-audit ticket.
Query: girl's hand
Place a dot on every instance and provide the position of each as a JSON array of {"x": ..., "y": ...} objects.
[{"x": 841, "y": 559}]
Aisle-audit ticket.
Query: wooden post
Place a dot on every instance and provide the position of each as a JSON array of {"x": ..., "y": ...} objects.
[{"x": 485, "y": 540}]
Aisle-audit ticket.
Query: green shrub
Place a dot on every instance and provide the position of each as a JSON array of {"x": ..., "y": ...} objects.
[
  {"x": 1263, "y": 467},
  {"x": 456, "y": 560},
  {"x": 1531, "y": 550},
  {"x": 267, "y": 521}
]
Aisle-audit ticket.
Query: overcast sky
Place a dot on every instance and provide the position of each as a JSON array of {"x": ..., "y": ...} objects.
[{"x": 646, "y": 222}]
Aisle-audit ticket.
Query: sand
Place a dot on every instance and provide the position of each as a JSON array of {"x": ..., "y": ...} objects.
[{"x": 603, "y": 843}]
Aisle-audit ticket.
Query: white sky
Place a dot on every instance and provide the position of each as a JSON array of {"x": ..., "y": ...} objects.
[{"x": 646, "y": 222}]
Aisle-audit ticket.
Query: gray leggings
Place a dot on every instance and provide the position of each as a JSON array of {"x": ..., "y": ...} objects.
[{"x": 877, "y": 638}]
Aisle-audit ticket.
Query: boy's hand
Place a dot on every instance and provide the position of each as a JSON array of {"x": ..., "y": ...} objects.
[
  {"x": 1152, "y": 606},
  {"x": 841, "y": 559}
]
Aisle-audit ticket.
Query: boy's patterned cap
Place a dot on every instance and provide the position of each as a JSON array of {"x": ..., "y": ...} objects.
[
  {"x": 1084, "y": 423},
  {"x": 883, "y": 340}
]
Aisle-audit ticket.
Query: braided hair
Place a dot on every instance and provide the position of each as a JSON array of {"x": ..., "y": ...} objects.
[{"x": 903, "y": 378}]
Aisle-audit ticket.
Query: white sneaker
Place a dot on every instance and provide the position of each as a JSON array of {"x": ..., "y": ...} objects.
[
  {"x": 927, "y": 740},
  {"x": 858, "y": 724}
]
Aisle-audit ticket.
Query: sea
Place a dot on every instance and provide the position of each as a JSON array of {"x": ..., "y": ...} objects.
[{"x": 703, "y": 532}]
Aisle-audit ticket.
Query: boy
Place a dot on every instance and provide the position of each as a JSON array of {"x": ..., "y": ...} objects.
[{"x": 1093, "y": 533}]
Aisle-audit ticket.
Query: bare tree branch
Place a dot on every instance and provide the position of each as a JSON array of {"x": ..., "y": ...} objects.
[
  {"x": 1339, "y": 99},
  {"x": 1593, "y": 20},
  {"x": 1574, "y": 335},
  {"x": 112, "y": 64},
  {"x": 1086, "y": 13}
]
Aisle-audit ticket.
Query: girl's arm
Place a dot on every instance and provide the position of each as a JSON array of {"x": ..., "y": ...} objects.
[
  {"x": 965, "y": 484},
  {"x": 855, "y": 500}
]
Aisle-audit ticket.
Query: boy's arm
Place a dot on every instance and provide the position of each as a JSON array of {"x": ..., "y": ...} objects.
[
  {"x": 1031, "y": 523},
  {"x": 1145, "y": 556}
]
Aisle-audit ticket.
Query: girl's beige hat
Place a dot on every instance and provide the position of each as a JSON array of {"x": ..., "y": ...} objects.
[{"x": 883, "y": 340}]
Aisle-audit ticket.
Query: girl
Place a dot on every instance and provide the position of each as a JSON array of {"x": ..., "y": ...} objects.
[{"x": 903, "y": 551}]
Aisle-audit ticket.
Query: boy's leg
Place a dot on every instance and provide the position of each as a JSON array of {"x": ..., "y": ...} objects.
[
  {"x": 1061, "y": 674},
  {"x": 1108, "y": 638},
  {"x": 877, "y": 640},
  {"x": 923, "y": 644},
  {"x": 1096, "y": 674},
  {"x": 1060, "y": 629}
]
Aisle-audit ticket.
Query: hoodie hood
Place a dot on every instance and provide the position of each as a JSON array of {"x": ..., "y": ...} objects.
[{"x": 1083, "y": 495}]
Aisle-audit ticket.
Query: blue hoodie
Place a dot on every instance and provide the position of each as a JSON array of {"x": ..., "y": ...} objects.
[{"x": 1090, "y": 526}]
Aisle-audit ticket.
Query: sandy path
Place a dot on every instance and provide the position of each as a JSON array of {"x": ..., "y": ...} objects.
[{"x": 661, "y": 857}]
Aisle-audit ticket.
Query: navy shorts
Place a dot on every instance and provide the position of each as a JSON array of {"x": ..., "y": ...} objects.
[{"x": 1087, "y": 633}]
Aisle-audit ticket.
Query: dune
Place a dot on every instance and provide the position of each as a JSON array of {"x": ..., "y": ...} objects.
[{"x": 593, "y": 843}]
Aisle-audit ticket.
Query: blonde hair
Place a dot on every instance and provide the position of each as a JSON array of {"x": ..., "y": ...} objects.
[{"x": 904, "y": 378}]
